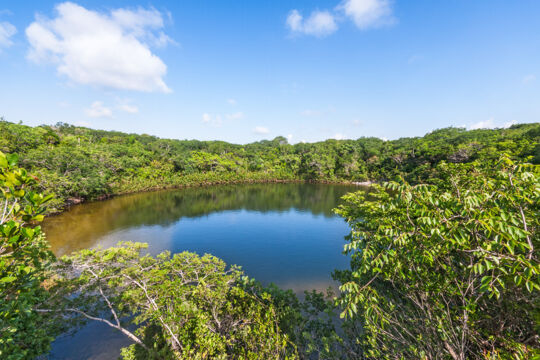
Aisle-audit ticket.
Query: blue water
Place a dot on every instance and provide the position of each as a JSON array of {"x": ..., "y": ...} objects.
[
  {"x": 294, "y": 249},
  {"x": 281, "y": 233}
]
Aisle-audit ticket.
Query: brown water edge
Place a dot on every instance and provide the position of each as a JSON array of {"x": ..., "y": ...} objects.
[
  {"x": 285, "y": 231},
  {"x": 73, "y": 201},
  {"x": 78, "y": 227}
]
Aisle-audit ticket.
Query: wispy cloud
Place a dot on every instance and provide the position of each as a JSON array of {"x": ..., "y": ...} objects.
[
  {"x": 261, "y": 130},
  {"x": 132, "y": 109},
  {"x": 98, "y": 110},
  {"x": 368, "y": 13},
  {"x": 215, "y": 120},
  {"x": 7, "y": 30},
  {"x": 485, "y": 124},
  {"x": 126, "y": 105},
  {"x": 490, "y": 124},
  {"x": 106, "y": 49},
  {"x": 364, "y": 13},
  {"x": 319, "y": 23},
  {"x": 231, "y": 101},
  {"x": 508, "y": 124}
]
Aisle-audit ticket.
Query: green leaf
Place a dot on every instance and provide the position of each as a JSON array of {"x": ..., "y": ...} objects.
[
  {"x": 8, "y": 279},
  {"x": 12, "y": 159},
  {"x": 3, "y": 160}
]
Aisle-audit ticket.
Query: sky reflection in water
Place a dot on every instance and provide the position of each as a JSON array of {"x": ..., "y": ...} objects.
[{"x": 281, "y": 233}]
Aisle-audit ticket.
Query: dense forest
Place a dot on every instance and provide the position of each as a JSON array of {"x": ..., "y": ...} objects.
[
  {"x": 444, "y": 248},
  {"x": 78, "y": 163}
]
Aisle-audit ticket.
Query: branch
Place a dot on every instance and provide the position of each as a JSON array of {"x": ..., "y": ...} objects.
[
  {"x": 156, "y": 308},
  {"x": 90, "y": 317}
]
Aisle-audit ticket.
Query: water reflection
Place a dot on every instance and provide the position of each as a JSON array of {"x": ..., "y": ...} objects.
[
  {"x": 83, "y": 225},
  {"x": 281, "y": 233}
]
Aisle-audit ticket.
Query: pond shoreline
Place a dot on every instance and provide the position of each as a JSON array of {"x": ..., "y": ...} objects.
[
  {"x": 74, "y": 201},
  {"x": 280, "y": 232}
]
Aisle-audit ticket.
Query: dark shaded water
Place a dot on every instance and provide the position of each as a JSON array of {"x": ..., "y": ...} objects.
[{"x": 281, "y": 233}]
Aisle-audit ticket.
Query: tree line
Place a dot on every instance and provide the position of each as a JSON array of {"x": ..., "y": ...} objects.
[
  {"x": 444, "y": 260},
  {"x": 78, "y": 163}
]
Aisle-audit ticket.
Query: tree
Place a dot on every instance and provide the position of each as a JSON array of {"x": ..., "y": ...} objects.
[
  {"x": 183, "y": 306},
  {"x": 24, "y": 260},
  {"x": 81, "y": 164},
  {"x": 448, "y": 270}
]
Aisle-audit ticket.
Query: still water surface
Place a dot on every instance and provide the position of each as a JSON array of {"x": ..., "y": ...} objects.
[{"x": 281, "y": 233}]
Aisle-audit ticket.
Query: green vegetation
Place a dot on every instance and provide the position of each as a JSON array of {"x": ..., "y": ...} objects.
[
  {"x": 165, "y": 208},
  {"x": 445, "y": 268},
  {"x": 184, "y": 306},
  {"x": 448, "y": 270},
  {"x": 79, "y": 163},
  {"x": 24, "y": 258}
]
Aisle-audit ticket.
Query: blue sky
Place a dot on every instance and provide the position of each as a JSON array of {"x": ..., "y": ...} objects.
[{"x": 242, "y": 71}]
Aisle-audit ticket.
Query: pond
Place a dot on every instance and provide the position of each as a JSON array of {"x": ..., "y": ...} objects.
[{"x": 281, "y": 233}]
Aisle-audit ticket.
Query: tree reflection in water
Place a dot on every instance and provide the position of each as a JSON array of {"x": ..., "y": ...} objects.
[{"x": 281, "y": 233}]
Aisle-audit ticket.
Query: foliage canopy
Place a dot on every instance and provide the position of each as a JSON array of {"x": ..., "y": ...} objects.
[
  {"x": 444, "y": 259},
  {"x": 78, "y": 163},
  {"x": 447, "y": 270},
  {"x": 24, "y": 257},
  {"x": 183, "y": 306}
]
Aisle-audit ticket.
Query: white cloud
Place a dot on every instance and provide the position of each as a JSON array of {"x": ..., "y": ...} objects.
[
  {"x": 126, "y": 105},
  {"x": 294, "y": 21},
  {"x": 212, "y": 120},
  {"x": 507, "y": 124},
  {"x": 235, "y": 116},
  {"x": 217, "y": 119},
  {"x": 487, "y": 124},
  {"x": 7, "y": 30},
  {"x": 490, "y": 124},
  {"x": 289, "y": 138},
  {"x": 206, "y": 118},
  {"x": 357, "y": 122},
  {"x": 132, "y": 109},
  {"x": 261, "y": 130},
  {"x": 528, "y": 79},
  {"x": 138, "y": 21},
  {"x": 231, "y": 101},
  {"x": 364, "y": 13},
  {"x": 98, "y": 110},
  {"x": 319, "y": 23},
  {"x": 368, "y": 13},
  {"x": 102, "y": 49},
  {"x": 339, "y": 136}
]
